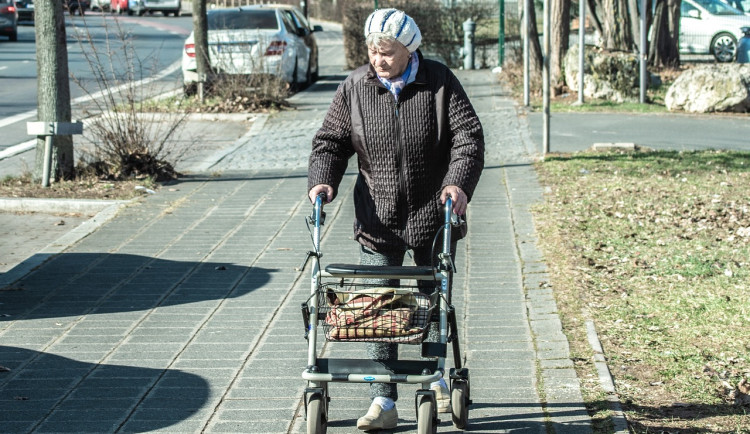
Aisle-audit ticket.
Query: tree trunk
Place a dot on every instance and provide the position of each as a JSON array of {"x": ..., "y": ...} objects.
[
  {"x": 594, "y": 11},
  {"x": 559, "y": 41},
  {"x": 616, "y": 30},
  {"x": 535, "y": 48},
  {"x": 53, "y": 91},
  {"x": 635, "y": 23},
  {"x": 200, "y": 33},
  {"x": 664, "y": 50}
]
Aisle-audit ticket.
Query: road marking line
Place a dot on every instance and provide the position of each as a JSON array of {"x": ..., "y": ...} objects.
[
  {"x": 17, "y": 149},
  {"x": 85, "y": 98}
]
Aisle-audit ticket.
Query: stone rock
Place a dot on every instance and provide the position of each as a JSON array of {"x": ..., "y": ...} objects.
[
  {"x": 612, "y": 76},
  {"x": 711, "y": 88}
]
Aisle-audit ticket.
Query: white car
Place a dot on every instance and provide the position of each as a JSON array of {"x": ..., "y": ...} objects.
[
  {"x": 166, "y": 7},
  {"x": 711, "y": 27},
  {"x": 257, "y": 39}
]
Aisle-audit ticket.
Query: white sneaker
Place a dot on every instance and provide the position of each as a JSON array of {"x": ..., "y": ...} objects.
[
  {"x": 442, "y": 397},
  {"x": 377, "y": 418}
]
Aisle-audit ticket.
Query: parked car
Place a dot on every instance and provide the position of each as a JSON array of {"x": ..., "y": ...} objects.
[
  {"x": 166, "y": 7},
  {"x": 9, "y": 19},
  {"x": 257, "y": 39},
  {"x": 76, "y": 7},
  {"x": 100, "y": 5},
  {"x": 711, "y": 27},
  {"x": 118, "y": 6},
  {"x": 25, "y": 10}
]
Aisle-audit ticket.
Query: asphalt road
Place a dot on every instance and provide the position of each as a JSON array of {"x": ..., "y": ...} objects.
[
  {"x": 154, "y": 45},
  {"x": 571, "y": 132}
]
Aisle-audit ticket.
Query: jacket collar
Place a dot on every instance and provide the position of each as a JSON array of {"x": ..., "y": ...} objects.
[{"x": 421, "y": 77}]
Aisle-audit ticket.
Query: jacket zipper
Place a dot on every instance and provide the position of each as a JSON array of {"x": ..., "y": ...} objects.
[{"x": 403, "y": 208}]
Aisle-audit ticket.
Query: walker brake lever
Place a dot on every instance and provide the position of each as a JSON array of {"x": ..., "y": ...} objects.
[{"x": 457, "y": 220}]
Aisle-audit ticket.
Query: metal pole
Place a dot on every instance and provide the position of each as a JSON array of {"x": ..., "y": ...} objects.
[
  {"x": 376, "y": 5},
  {"x": 526, "y": 26},
  {"x": 469, "y": 29},
  {"x": 644, "y": 52},
  {"x": 47, "y": 160},
  {"x": 546, "y": 77},
  {"x": 501, "y": 34},
  {"x": 581, "y": 46}
]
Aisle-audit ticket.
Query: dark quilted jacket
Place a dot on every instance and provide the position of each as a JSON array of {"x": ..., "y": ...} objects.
[{"x": 407, "y": 152}]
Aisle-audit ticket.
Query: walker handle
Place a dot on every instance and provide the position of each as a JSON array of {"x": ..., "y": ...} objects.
[{"x": 318, "y": 216}]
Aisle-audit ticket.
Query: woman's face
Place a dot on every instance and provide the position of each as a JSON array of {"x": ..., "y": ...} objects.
[{"x": 389, "y": 60}]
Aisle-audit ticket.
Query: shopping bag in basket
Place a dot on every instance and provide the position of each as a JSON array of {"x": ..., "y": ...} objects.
[{"x": 375, "y": 313}]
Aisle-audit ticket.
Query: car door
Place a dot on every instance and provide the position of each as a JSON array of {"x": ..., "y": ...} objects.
[
  {"x": 309, "y": 39},
  {"x": 694, "y": 36},
  {"x": 302, "y": 51}
]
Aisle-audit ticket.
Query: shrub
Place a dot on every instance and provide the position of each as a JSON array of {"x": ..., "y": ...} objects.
[
  {"x": 126, "y": 143},
  {"x": 441, "y": 27}
]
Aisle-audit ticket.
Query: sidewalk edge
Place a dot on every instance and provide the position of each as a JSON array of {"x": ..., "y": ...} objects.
[{"x": 31, "y": 263}]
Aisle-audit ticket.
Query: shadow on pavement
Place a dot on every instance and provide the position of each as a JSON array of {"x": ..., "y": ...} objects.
[
  {"x": 102, "y": 397},
  {"x": 74, "y": 284}
]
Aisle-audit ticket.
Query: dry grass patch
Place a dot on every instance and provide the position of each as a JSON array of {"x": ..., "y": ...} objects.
[
  {"x": 655, "y": 248},
  {"x": 84, "y": 187}
]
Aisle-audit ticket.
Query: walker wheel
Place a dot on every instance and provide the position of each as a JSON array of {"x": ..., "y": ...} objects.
[
  {"x": 426, "y": 416},
  {"x": 460, "y": 404},
  {"x": 317, "y": 419}
]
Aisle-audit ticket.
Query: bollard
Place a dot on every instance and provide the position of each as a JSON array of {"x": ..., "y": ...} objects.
[
  {"x": 743, "y": 47},
  {"x": 469, "y": 28},
  {"x": 48, "y": 130}
]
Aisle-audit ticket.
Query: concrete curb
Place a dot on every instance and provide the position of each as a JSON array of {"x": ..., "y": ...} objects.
[
  {"x": 57, "y": 206},
  {"x": 606, "y": 381}
]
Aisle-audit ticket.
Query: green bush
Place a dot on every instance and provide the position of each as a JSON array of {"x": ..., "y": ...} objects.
[{"x": 441, "y": 27}]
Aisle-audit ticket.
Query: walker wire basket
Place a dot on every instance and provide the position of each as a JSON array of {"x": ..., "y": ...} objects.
[{"x": 375, "y": 313}]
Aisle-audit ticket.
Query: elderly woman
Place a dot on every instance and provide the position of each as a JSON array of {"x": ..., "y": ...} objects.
[{"x": 417, "y": 139}]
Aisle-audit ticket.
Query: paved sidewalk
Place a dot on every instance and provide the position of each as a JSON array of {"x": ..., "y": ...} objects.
[{"x": 181, "y": 313}]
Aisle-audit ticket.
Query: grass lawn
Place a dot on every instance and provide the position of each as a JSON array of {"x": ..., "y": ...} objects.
[{"x": 654, "y": 247}]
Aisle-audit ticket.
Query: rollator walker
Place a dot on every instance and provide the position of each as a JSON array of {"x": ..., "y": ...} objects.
[{"x": 346, "y": 309}]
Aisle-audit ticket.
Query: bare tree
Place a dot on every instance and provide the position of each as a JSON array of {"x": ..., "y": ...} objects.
[
  {"x": 559, "y": 40},
  {"x": 53, "y": 94},
  {"x": 535, "y": 47},
  {"x": 664, "y": 51},
  {"x": 200, "y": 33}
]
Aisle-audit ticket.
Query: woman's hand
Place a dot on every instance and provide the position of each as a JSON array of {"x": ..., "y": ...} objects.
[
  {"x": 460, "y": 200},
  {"x": 321, "y": 188}
]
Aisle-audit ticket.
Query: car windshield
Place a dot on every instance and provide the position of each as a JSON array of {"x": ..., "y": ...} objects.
[
  {"x": 717, "y": 7},
  {"x": 237, "y": 19}
]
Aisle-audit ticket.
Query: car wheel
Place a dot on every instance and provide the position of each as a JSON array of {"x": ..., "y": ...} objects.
[
  {"x": 189, "y": 89},
  {"x": 308, "y": 75},
  {"x": 130, "y": 12},
  {"x": 315, "y": 74},
  {"x": 178, "y": 12},
  {"x": 724, "y": 47},
  {"x": 14, "y": 36},
  {"x": 294, "y": 84}
]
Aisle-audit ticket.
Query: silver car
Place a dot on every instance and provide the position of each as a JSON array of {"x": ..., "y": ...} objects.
[
  {"x": 166, "y": 7},
  {"x": 711, "y": 27},
  {"x": 257, "y": 40},
  {"x": 9, "y": 19}
]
